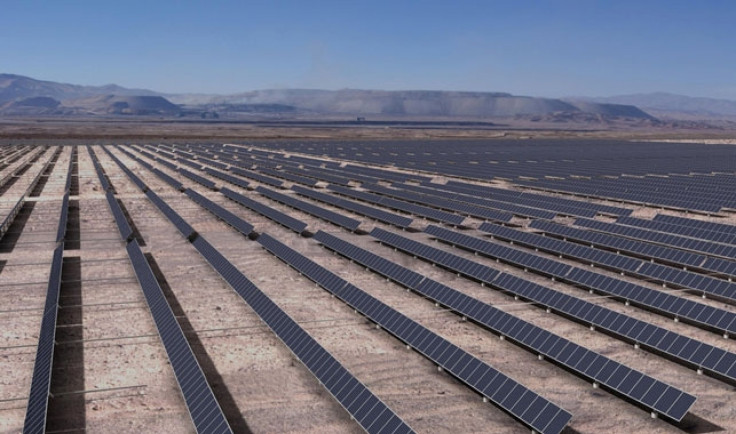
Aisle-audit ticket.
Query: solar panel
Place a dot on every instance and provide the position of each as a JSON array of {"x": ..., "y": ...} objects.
[
  {"x": 212, "y": 162},
  {"x": 61, "y": 230},
  {"x": 656, "y": 301},
  {"x": 227, "y": 177},
  {"x": 586, "y": 363},
  {"x": 369, "y": 411},
  {"x": 125, "y": 230},
  {"x": 201, "y": 403},
  {"x": 167, "y": 178},
  {"x": 320, "y": 174},
  {"x": 290, "y": 177},
  {"x": 258, "y": 177},
  {"x": 708, "y": 358},
  {"x": 634, "y": 247},
  {"x": 502, "y": 213},
  {"x": 189, "y": 163},
  {"x": 344, "y": 221},
  {"x": 166, "y": 163},
  {"x": 100, "y": 171},
  {"x": 681, "y": 242},
  {"x": 198, "y": 179},
  {"x": 8, "y": 220},
  {"x": 136, "y": 180},
  {"x": 286, "y": 220},
  {"x": 481, "y": 377},
  {"x": 236, "y": 222},
  {"x": 36, "y": 411},
  {"x": 172, "y": 215},
  {"x": 423, "y": 211},
  {"x": 368, "y": 211},
  {"x": 699, "y": 224},
  {"x": 557, "y": 204},
  {"x": 687, "y": 231}
]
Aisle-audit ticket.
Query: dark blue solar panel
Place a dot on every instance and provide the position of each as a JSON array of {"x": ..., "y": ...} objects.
[
  {"x": 358, "y": 208},
  {"x": 122, "y": 223},
  {"x": 236, "y": 222},
  {"x": 583, "y": 311},
  {"x": 183, "y": 227},
  {"x": 227, "y": 177},
  {"x": 295, "y": 225},
  {"x": 332, "y": 217},
  {"x": 198, "y": 179},
  {"x": 423, "y": 211},
  {"x": 575, "y": 357},
  {"x": 371, "y": 413},
  {"x": 201, "y": 403},
  {"x": 441, "y": 351},
  {"x": 36, "y": 411}
]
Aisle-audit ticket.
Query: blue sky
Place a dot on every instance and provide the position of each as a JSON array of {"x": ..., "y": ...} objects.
[{"x": 540, "y": 48}]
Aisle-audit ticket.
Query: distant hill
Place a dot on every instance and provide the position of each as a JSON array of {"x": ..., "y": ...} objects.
[
  {"x": 675, "y": 106},
  {"x": 125, "y": 105},
  {"x": 21, "y": 95},
  {"x": 16, "y": 87},
  {"x": 414, "y": 103}
]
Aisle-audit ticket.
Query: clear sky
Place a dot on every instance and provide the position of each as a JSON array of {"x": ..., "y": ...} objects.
[{"x": 526, "y": 47}]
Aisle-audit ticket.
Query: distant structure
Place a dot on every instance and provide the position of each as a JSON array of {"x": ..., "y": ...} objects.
[{"x": 361, "y": 119}]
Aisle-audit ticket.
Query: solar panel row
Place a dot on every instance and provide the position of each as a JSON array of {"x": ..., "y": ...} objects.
[
  {"x": 290, "y": 177},
  {"x": 210, "y": 161},
  {"x": 10, "y": 216},
  {"x": 687, "y": 231},
  {"x": 184, "y": 228},
  {"x": 563, "y": 206},
  {"x": 188, "y": 162},
  {"x": 240, "y": 182},
  {"x": 344, "y": 221},
  {"x": 521, "y": 210},
  {"x": 440, "y": 203},
  {"x": 511, "y": 396},
  {"x": 203, "y": 407},
  {"x": 319, "y": 174},
  {"x": 698, "y": 224},
  {"x": 286, "y": 220},
  {"x": 650, "y": 393},
  {"x": 263, "y": 179},
  {"x": 126, "y": 232},
  {"x": 614, "y": 189},
  {"x": 198, "y": 178},
  {"x": 639, "y": 248},
  {"x": 686, "y": 351},
  {"x": 99, "y": 170},
  {"x": 133, "y": 177},
  {"x": 368, "y": 410},
  {"x": 236, "y": 222},
  {"x": 386, "y": 175},
  {"x": 166, "y": 163},
  {"x": 411, "y": 208},
  {"x": 708, "y": 317},
  {"x": 707, "y": 247},
  {"x": 36, "y": 410},
  {"x": 358, "y": 208}
]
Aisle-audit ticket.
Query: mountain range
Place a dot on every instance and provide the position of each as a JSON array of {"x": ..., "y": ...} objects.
[{"x": 25, "y": 96}]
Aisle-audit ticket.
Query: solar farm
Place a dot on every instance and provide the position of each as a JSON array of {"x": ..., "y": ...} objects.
[{"x": 380, "y": 286}]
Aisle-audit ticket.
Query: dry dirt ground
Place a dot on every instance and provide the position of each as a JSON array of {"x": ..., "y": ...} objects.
[
  {"x": 163, "y": 130},
  {"x": 124, "y": 381}
]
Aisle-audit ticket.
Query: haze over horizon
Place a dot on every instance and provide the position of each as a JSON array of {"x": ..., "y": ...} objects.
[{"x": 556, "y": 49}]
